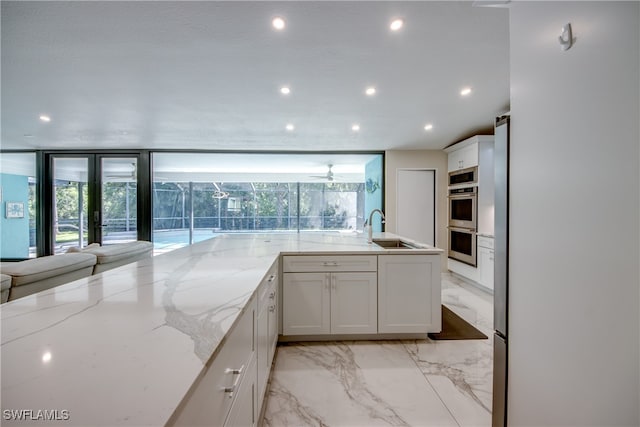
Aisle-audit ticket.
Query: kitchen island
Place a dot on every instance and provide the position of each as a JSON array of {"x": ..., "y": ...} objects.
[{"x": 130, "y": 346}]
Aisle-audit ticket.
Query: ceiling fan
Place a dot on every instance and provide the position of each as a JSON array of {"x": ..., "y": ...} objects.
[{"x": 328, "y": 176}]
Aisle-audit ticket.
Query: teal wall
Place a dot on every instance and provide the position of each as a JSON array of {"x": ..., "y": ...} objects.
[
  {"x": 373, "y": 190},
  {"x": 14, "y": 241}
]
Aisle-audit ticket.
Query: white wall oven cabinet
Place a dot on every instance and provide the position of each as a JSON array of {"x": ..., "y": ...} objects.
[{"x": 470, "y": 202}]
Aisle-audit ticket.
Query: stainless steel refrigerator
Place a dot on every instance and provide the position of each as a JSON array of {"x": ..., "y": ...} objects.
[{"x": 501, "y": 272}]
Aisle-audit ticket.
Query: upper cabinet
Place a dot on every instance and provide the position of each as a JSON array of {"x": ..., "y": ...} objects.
[
  {"x": 463, "y": 158},
  {"x": 465, "y": 154}
]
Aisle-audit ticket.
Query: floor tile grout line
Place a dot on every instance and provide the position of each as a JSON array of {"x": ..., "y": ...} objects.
[{"x": 415, "y": 362}]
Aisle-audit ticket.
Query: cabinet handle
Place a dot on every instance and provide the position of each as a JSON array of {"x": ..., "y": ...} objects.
[
  {"x": 270, "y": 279},
  {"x": 234, "y": 371},
  {"x": 272, "y": 308},
  {"x": 231, "y": 390},
  {"x": 331, "y": 264},
  {"x": 272, "y": 295}
]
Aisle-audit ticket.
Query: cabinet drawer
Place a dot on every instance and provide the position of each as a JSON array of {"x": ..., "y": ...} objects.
[
  {"x": 322, "y": 263},
  {"x": 485, "y": 242},
  {"x": 267, "y": 289},
  {"x": 211, "y": 398},
  {"x": 243, "y": 412}
]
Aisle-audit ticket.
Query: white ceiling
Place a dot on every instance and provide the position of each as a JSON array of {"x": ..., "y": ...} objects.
[{"x": 206, "y": 75}]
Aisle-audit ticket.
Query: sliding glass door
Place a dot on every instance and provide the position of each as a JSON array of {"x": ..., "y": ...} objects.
[
  {"x": 92, "y": 198},
  {"x": 118, "y": 212},
  {"x": 70, "y": 188}
]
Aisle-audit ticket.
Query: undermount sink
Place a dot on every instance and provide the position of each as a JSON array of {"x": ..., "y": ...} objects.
[{"x": 392, "y": 244}]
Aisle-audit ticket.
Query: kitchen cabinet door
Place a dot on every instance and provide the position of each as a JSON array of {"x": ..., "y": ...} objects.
[
  {"x": 485, "y": 264},
  {"x": 306, "y": 303},
  {"x": 453, "y": 161},
  {"x": 354, "y": 299},
  {"x": 462, "y": 158},
  {"x": 267, "y": 333},
  {"x": 469, "y": 156},
  {"x": 409, "y": 294},
  {"x": 243, "y": 412},
  {"x": 263, "y": 347},
  {"x": 272, "y": 330}
]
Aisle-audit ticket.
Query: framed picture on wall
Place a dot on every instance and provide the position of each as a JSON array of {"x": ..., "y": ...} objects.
[{"x": 15, "y": 210}]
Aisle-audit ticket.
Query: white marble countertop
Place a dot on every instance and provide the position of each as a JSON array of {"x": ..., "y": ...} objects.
[
  {"x": 488, "y": 235},
  {"x": 123, "y": 347}
]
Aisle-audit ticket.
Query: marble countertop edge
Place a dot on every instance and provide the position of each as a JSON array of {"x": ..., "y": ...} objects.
[{"x": 146, "y": 331}]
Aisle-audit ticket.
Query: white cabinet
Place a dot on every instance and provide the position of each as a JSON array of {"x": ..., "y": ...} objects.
[
  {"x": 467, "y": 153},
  {"x": 306, "y": 304},
  {"x": 463, "y": 158},
  {"x": 228, "y": 378},
  {"x": 354, "y": 299},
  {"x": 409, "y": 294},
  {"x": 329, "y": 295},
  {"x": 329, "y": 303},
  {"x": 244, "y": 412},
  {"x": 485, "y": 261},
  {"x": 267, "y": 332}
]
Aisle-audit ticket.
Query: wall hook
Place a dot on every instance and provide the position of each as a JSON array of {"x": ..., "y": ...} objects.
[{"x": 566, "y": 37}]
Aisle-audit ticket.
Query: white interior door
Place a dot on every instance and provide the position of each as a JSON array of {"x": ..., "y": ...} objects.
[{"x": 416, "y": 205}]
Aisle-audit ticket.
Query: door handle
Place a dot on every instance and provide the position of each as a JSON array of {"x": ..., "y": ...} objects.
[{"x": 96, "y": 219}]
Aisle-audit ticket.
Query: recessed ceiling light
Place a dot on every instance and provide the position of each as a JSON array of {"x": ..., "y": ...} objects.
[
  {"x": 45, "y": 118},
  {"x": 278, "y": 23},
  {"x": 465, "y": 91},
  {"x": 396, "y": 24},
  {"x": 355, "y": 127},
  {"x": 428, "y": 126},
  {"x": 290, "y": 127},
  {"x": 370, "y": 91},
  {"x": 285, "y": 90}
]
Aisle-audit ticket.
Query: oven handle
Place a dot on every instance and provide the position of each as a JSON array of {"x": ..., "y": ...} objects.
[
  {"x": 463, "y": 196},
  {"x": 462, "y": 230}
]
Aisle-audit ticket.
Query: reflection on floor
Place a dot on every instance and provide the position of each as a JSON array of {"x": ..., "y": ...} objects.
[{"x": 382, "y": 383}]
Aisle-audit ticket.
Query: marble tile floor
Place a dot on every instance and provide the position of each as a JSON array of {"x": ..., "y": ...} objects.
[{"x": 389, "y": 383}]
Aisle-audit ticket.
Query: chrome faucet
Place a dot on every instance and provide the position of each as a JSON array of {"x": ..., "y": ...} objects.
[{"x": 369, "y": 222}]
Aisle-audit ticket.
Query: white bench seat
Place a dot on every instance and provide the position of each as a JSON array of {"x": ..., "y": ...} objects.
[
  {"x": 39, "y": 274},
  {"x": 5, "y": 281},
  {"x": 112, "y": 256}
]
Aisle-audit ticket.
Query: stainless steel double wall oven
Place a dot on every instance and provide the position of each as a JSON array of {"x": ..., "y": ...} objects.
[{"x": 463, "y": 215}]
